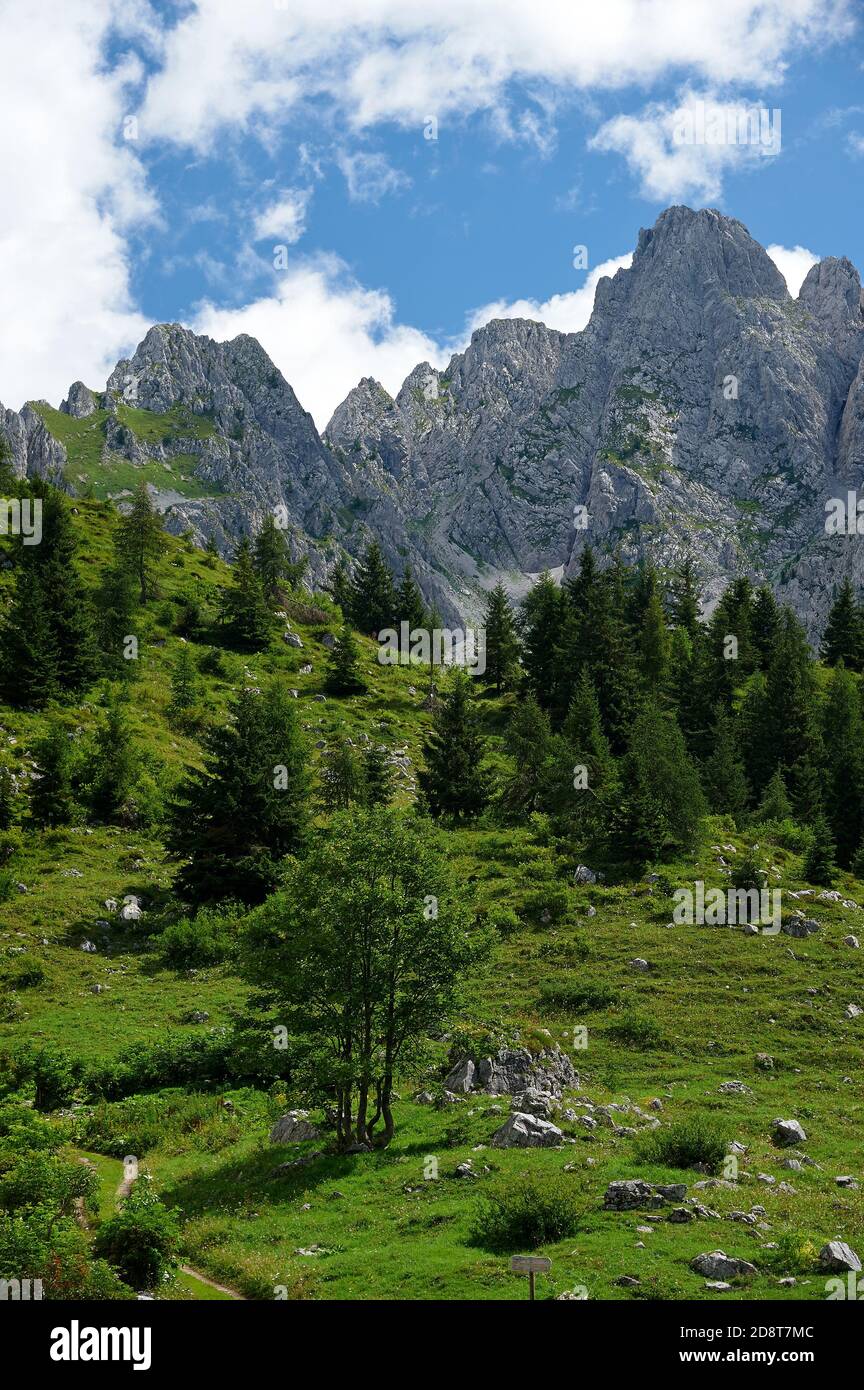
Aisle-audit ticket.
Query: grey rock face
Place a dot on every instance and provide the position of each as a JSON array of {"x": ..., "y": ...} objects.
[
  {"x": 715, "y": 1264},
  {"x": 787, "y": 1132},
  {"x": 80, "y": 402},
  {"x": 514, "y": 1071},
  {"x": 839, "y": 1256}
]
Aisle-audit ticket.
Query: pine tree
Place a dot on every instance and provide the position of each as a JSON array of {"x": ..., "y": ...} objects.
[
  {"x": 341, "y": 779},
  {"x": 373, "y": 598},
  {"x": 245, "y": 607},
  {"x": 686, "y": 608},
  {"x": 764, "y": 623},
  {"x": 662, "y": 803},
  {"x": 235, "y": 818},
  {"x": 51, "y": 799},
  {"x": 775, "y": 805},
  {"x": 454, "y": 782},
  {"x": 819, "y": 866},
  {"x": 584, "y": 736},
  {"x": 7, "y": 797},
  {"x": 114, "y": 764},
  {"x": 115, "y": 621},
  {"x": 502, "y": 645},
  {"x": 779, "y": 708},
  {"x": 541, "y": 622},
  {"x": 724, "y": 778},
  {"x": 185, "y": 685},
  {"x": 654, "y": 642},
  {"x": 271, "y": 560},
  {"x": 527, "y": 741},
  {"x": 410, "y": 607},
  {"x": 141, "y": 541},
  {"x": 344, "y": 676},
  {"x": 843, "y": 739},
  {"x": 843, "y": 638},
  {"x": 340, "y": 587},
  {"x": 377, "y": 777},
  {"x": 47, "y": 647}
]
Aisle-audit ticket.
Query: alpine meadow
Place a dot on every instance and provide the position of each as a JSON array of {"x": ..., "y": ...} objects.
[{"x": 432, "y": 740}]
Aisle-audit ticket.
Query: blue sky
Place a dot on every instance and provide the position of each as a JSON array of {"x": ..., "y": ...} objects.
[{"x": 266, "y": 167}]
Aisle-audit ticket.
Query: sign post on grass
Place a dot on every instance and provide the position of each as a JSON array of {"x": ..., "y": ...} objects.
[{"x": 531, "y": 1265}]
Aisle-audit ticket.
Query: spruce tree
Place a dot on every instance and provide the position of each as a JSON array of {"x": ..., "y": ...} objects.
[
  {"x": 235, "y": 819},
  {"x": 245, "y": 606},
  {"x": 373, "y": 598},
  {"x": 271, "y": 559},
  {"x": 7, "y": 797},
  {"x": 51, "y": 798},
  {"x": 843, "y": 740},
  {"x": 686, "y": 608},
  {"x": 502, "y": 644},
  {"x": 541, "y": 617},
  {"x": 114, "y": 764},
  {"x": 185, "y": 685},
  {"x": 843, "y": 638},
  {"x": 654, "y": 643},
  {"x": 454, "y": 782},
  {"x": 141, "y": 541},
  {"x": 410, "y": 607},
  {"x": 344, "y": 676},
  {"x": 662, "y": 803},
  {"x": 377, "y": 776},
  {"x": 819, "y": 866},
  {"x": 724, "y": 778},
  {"x": 775, "y": 805},
  {"x": 340, "y": 587},
  {"x": 764, "y": 623},
  {"x": 115, "y": 621},
  {"x": 527, "y": 741}
]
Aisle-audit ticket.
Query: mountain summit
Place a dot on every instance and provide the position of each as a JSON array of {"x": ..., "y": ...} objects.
[{"x": 702, "y": 412}]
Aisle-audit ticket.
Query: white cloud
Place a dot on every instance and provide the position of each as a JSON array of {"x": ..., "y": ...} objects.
[
  {"x": 681, "y": 150},
  {"x": 855, "y": 144},
  {"x": 324, "y": 331},
  {"x": 369, "y": 176},
  {"x": 286, "y": 218},
  {"x": 72, "y": 188},
  {"x": 793, "y": 262},
  {"x": 567, "y": 312},
  {"x": 402, "y": 60}
]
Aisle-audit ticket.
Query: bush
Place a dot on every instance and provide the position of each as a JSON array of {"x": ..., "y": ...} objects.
[
  {"x": 28, "y": 977},
  {"x": 635, "y": 1030},
  {"x": 7, "y": 885},
  {"x": 205, "y": 939},
  {"x": 142, "y": 1240},
  {"x": 527, "y": 1213},
  {"x": 573, "y": 995},
  {"x": 502, "y": 919},
  {"x": 700, "y": 1141},
  {"x": 548, "y": 903},
  {"x": 175, "y": 1121}
]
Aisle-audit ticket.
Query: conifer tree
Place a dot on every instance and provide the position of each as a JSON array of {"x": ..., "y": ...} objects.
[
  {"x": 141, "y": 541},
  {"x": 245, "y": 606},
  {"x": 662, "y": 803},
  {"x": 47, "y": 648},
  {"x": 114, "y": 763},
  {"x": 775, "y": 804},
  {"x": 271, "y": 560},
  {"x": 373, "y": 598},
  {"x": 764, "y": 623},
  {"x": 344, "y": 676},
  {"x": 235, "y": 818},
  {"x": 454, "y": 782},
  {"x": 502, "y": 645},
  {"x": 654, "y": 642},
  {"x": 686, "y": 608},
  {"x": 410, "y": 607},
  {"x": 724, "y": 778},
  {"x": 541, "y": 622},
  {"x": 819, "y": 866},
  {"x": 527, "y": 740},
  {"x": 185, "y": 685},
  {"x": 843, "y": 639},
  {"x": 377, "y": 777},
  {"x": 340, "y": 587},
  {"x": 51, "y": 798},
  {"x": 7, "y": 797},
  {"x": 115, "y": 621},
  {"x": 843, "y": 741}
]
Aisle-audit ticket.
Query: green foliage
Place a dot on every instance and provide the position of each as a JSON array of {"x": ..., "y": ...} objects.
[
  {"x": 142, "y": 1240},
  {"x": 208, "y": 938},
  {"x": 501, "y": 642},
  {"x": 575, "y": 995},
  {"x": 819, "y": 863},
  {"x": 141, "y": 541},
  {"x": 526, "y": 1213},
  {"x": 343, "y": 669},
  {"x": 245, "y": 607},
  {"x": 373, "y": 598},
  {"x": 454, "y": 782},
  {"x": 699, "y": 1141}
]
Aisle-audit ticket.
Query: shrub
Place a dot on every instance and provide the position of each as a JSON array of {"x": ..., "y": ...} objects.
[
  {"x": 699, "y": 1141},
  {"x": 205, "y": 939},
  {"x": 573, "y": 995},
  {"x": 175, "y": 1121},
  {"x": 548, "y": 903},
  {"x": 526, "y": 1213},
  {"x": 502, "y": 919},
  {"x": 141, "y": 1241},
  {"x": 7, "y": 885},
  {"x": 635, "y": 1030},
  {"x": 28, "y": 977}
]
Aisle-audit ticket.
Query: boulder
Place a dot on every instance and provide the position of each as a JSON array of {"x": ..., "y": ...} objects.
[
  {"x": 533, "y": 1102},
  {"x": 512, "y": 1071},
  {"x": 799, "y": 926},
  {"x": 716, "y": 1264},
  {"x": 293, "y": 1128},
  {"x": 838, "y": 1256},
  {"x": 526, "y": 1132},
  {"x": 461, "y": 1077},
  {"x": 786, "y": 1132},
  {"x": 629, "y": 1194},
  {"x": 291, "y": 639}
]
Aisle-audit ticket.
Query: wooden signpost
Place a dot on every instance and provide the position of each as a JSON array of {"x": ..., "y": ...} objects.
[{"x": 530, "y": 1265}]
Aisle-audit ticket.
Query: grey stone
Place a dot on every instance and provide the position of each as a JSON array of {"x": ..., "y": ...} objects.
[
  {"x": 293, "y": 1128},
  {"x": 526, "y": 1132},
  {"x": 836, "y": 1255}
]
